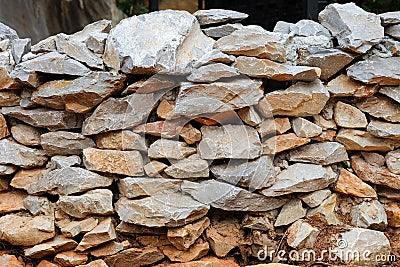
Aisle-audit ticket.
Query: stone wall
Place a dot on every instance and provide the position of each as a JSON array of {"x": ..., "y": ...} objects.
[{"x": 191, "y": 140}]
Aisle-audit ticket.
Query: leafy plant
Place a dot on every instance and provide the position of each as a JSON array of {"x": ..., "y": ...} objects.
[
  {"x": 132, "y": 7},
  {"x": 375, "y": 6}
]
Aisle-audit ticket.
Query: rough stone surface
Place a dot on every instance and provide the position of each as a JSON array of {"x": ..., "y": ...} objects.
[
  {"x": 212, "y": 73},
  {"x": 64, "y": 143},
  {"x": 350, "y": 184},
  {"x": 369, "y": 214},
  {"x": 381, "y": 107},
  {"x": 55, "y": 245},
  {"x": 304, "y": 128},
  {"x": 384, "y": 129},
  {"x": 182, "y": 238},
  {"x": 214, "y": 56},
  {"x": 393, "y": 161},
  {"x": 196, "y": 251},
  {"x": 11, "y": 201},
  {"x": 325, "y": 153},
  {"x": 193, "y": 167},
  {"x": 133, "y": 187},
  {"x": 121, "y": 140},
  {"x": 392, "y": 92},
  {"x": 10, "y": 261},
  {"x": 70, "y": 258},
  {"x": 373, "y": 158},
  {"x": 348, "y": 116},
  {"x": 346, "y": 86},
  {"x": 170, "y": 149},
  {"x": 102, "y": 233},
  {"x": 135, "y": 257},
  {"x": 314, "y": 199},
  {"x": 20, "y": 155},
  {"x": 222, "y": 30},
  {"x": 364, "y": 141},
  {"x": 290, "y": 212},
  {"x": 302, "y": 235},
  {"x": 280, "y": 143},
  {"x": 213, "y": 16},
  {"x": 26, "y": 135}
]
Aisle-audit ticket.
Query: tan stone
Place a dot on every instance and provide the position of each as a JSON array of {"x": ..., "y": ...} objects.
[
  {"x": 264, "y": 68},
  {"x": 70, "y": 258},
  {"x": 350, "y": 184},
  {"x": 135, "y": 257},
  {"x": 328, "y": 135},
  {"x": 348, "y": 116},
  {"x": 203, "y": 262},
  {"x": 164, "y": 129},
  {"x": 163, "y": 148},
  {"x": 109, "y": 248},
  {"x": 10, "y": 261},
  {"x": 55, "y": 245},
  {"x": 154, "y": 83},
  {"x": 121, "y": 140},
  {"x": 182, "y": 238},
  {"x": 274, "y": 126},
  {"x": 305, "y": 128},
  {"x": 112, "y": 161},
  {"x": 165, "y": 109},
  {"x": 96, "y": 263},
  {"x": 364, "y": 141},
  {"x": 45, "y": 263},
  {"x": 193, "y": 167},
  {"x": 393, "y": 214},
  {"x": 381, "y": 107},
  {"x": 9, "y": 98},
  {"x": 154, "y": 168},
  {"x": 74, "y": 228},
  {"x": 153, "y": 240},
  {"x": 343, "y": 85},
  {"x": 250, "y": 116},
  {"x": 24, "y": 178},
  {"x": 195, "y": 252},
  {"x": 3, "y": 127},
  {"x": 26, "y": 135},
  {"x": 12, "y": 201},
  {"x": 325, "y": 124},
  {"x": 133, "y": 229},
  {"x": 190, "y": 134},
  {"x": 102, "y": 233},
  {"x": 384, "y": 129},
  {"x": 373, "y": 158},
  {"x": 279, "y": 143}
]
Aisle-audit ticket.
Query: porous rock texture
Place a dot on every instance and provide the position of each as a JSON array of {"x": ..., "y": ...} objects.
[{"x": 184, "y": 140}]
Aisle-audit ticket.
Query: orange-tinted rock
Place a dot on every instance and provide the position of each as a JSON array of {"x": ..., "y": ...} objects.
[
  {"x": 10, "y": 261},
  {"x": 165, "y": 109},
  {"x": 12, "y": 201},
  {"x": 393, "y": 214},
  {"x": 70, "y": 258},
  {"x": 102, "y": 233},
  {"x": 24, "y": 178},
  {"x": 3, "y": 127},
  {"x": 350, "y": 184},
  {"x": 165, "y": 129},
  {"x": 343, "y": 85},
  {"x": 55, "y": 245},
  {"x": 190, "y": 134},
  {"x": 195, "y": 252},
  {"x": 121, "y": 140},
  {"x": 135, "y": 257},
  {"x": 153, "y": 240},
  {"x": 363, "y": 141},
  {"x": 182, "y": 238},
  {"x": 277, "y": 125},
  {"x": 45, "y": 263},
  {"x": 279, "y": 143},
  {"x": 109, "y": 248},
  {"x": 204, "y": 262},
  {"x": 154, "y": 168}
]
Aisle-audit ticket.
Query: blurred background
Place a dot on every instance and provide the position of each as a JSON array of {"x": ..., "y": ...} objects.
[{"x": 39, "y": 19}]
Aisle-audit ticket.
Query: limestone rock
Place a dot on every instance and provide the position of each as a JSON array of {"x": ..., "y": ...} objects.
[
  {"x": 196, "y": 251},
  {"x": 279, "y": 143},
  {"x": 249, "y": 116},
  {"x": 109, "y": 248},
  {"x": 348, "y": 116},
  {"x": 154, "y": 168},
  {"x": 196, "y": 99},
  {"x": 24, "y": 178},
  {"x": 373, "y": 158},
  {"x": 384, "y": 129},
  {"x": 74, "y": 228},
  {"x": 300, "y": 99},
  {"x": 125, "y": 112},
  {"x": 373, "y": 174},
  {"x": 138, "y": 45},
  {"x": 113, "y": 161},
  {"x": 26, "y": 135},
  {"x": 264, "y": 68},
  {"x": 314, "y": 199},
  {"x": 393, "y": 214},
  {"x": 154, "y": 83},
  {"x": 392, "y": 92},
  {"x": 182, "y": 238},
  {"x": 222, "y": 30},
  {"x": 229, "y": 197},
  {"x": 350, "y": 33},
  {"x": 301, "y": 177},
  {"x": 304, "y": 128},
  {"x": 11, "y": 201},
  {"x": 10, "y": 261},
  {"x": 64, "y": 143},
  {"x": 121, "y": 140},
  {"x": 302, "y": 235},
  {"x": 256, "y": 174},
  {"x": 254, "y": 42},
  {"x": 69, "y": 180},
  {"x": 170, "y": 149},
  {"x": 95, "y": 202},
  {"x": 190, "y": 134},
  {"x": 211, "y": 73},
  {"x": 376, "y": 70},
  {"x": 24, "y": 230},
  {"x": 369, "y": 214},
  {"x": 59, "y": 162},
  {"x": 9, "y": 98},
  {"x": 214, "y": 56},
  {"x": 290, "y": 212},
  {"x": 3, "y": 127},
  {"x": 381, "y": 107},
  {"x": 193, "y": 167},
  {"x": 55, "y": 245},
  {"x": 7, "y": 169},
  {"x": 327, "y": 211},
  {"x": 95, "y": 263},
  {"x": 79, "y": 95},
  {"x": 45, "y": 118},
  {"x": 20, "y": 155},
  {"x": 213, "y": 16},
  {"x": 364, "y": 141},
  {"x": 165, "y": 109},
  {"x": 164, "y": 209},
  {"x": 229, "y": 141},
  {"x": 96, "y": 42},
  {"x": 350, "y": 184},
  {"x": 393, "y": 161},
  {"x": 393, "y": 31},
  {"x": 164, "y": 129},
  {"x": 133, "y": 187},
  {"x": 274, "y": 126},
  {"x": 343, "y": 85},
  {"x": 70, "y": 258},
  {"x": 306, "y": 27},
  {"x": 135, "y": 257},
  {"x": 325, "y": 153},
  {"x": 390, "y": 18},
  {"x": 102, "y": 233}
]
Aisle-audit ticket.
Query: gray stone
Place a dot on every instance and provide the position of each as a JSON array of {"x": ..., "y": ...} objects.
[
  {"x": 7, "y": 169},
  {"x": 120, "y": 113},
  {"x": 20, "y": 155},
  {"x": 305, "y": 128},
  {"x": 20, "y": 47},
  {"x": 381, "y": 107},
  {"x": 364, "y": 141},
  {"x": 330, "y": 61},
  {"x": 327, "y": 210},
  {"x": 211, "y": 73},
  {"x": 229, "y": 141},
  {"x": 55, "y": 245},
  {"x": 164, "y": 209},
  {"x": 392, "y": 92},
  {"x": 95, "y": 202},
  {"x": 325, "y": 153},
  {"x": 252, "y": 42},
  {"x": 170, "y": 149},
  {"x": 283, "y": 27},
  {"x": 64, "y": 143},
  {"x": 298, "y": 43},
  {"x": 376, "y": 70},
  {"x": 26, "y": 135},
  {"x": 390, "y": 18},
  {"x": 183, "y": 237},
  {"x": 96, "y": 42},
  {"x": 45, "y": 118},
  {"x": 45, "y": 45},
  {"x": 316, "y": 198},
  {"x": 350, "y": 33},
  {"x": 101, "y": 26},
  {"x": 212, "y": 16},
  {"x": 67, "y": 181},
  {"x": 369, "y": 214},
  {"x": 301, "y": 234},
  {"x": 192, "y": 167},
  {"x": 373, "y": 158},
  {"x": 229, "y": 197},
  {"x": 306, "y": 27},
  {"x": 37, "y": 205},
  {"x": 348, "y": 116},
  {"x": 365, "y": 242},
  {"x": 393, "y": 161},
  {"x": 79, "y": 95},
  {"x": 59, "y": 162},
  {"x": 214, "y": 56},
  {"x": 256, "y": 174},
  {"x": 4, "y": 45},
  {"x": 393, "y": 31},
  {"x": 50, "y": 63},
  {"x": 196, "y": 99},
  {"x": 264, "y": 68},
  {"x": 300, "y": 99},
  {"x": 134, "y": 187},
  {"x": 299, "y": 178},
  {"x": 138, "y": 45},
  {"x": 102, "y": 233},
  {"x": 222, "y": 30},
  {"x": 290, "y": 212},
  {"x": 7, "y": 33},
  {"x": 384, "y": 129}
]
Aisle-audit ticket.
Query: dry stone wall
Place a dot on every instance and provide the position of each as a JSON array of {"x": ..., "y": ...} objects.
[{"x": 184, "y": 140}]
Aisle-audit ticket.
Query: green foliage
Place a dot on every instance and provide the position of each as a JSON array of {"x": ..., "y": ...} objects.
[
  {"x": 380, "y": 6},
  {"x": 132, "y": 7}
]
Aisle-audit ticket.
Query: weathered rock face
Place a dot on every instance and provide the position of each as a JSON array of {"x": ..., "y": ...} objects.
[
  {"x": 133, "y": 187},
  {"x": 64, "y": 143},
  {"x": 325, "y": 153},
  {"x": 347, "y": 116},
  {"x": 364, "y": 141},
  {"x": 171, "y": 49},
  {"x": 370, "y": 215},
  {"x": 350, "y": 184},
  {"x": 212, "y": 73},
  {"x": 381, "y": 107},
  {"x": 213, "y": 16},
  {"x": 13, "y": 153},
  {"x": 346, "y": 86}
]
